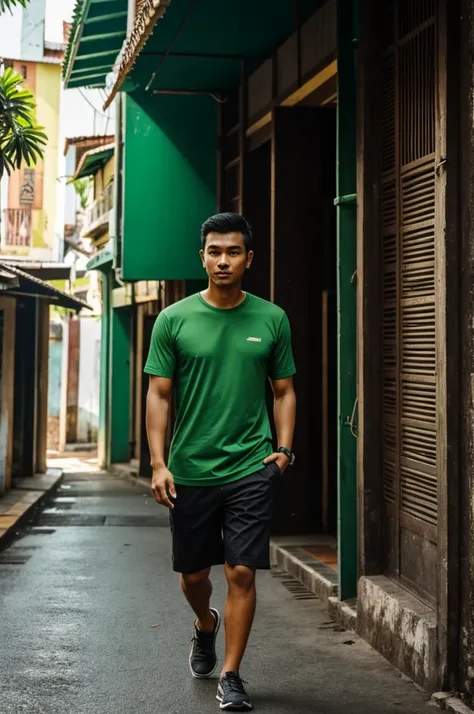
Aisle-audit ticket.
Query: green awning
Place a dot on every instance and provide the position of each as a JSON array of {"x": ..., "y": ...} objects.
[
  {"x": 93, "y": 160},
  {"x": 102, "y": 261},
  {"x": 201, "y": 46},
  {"x": 98, "y": 31}
]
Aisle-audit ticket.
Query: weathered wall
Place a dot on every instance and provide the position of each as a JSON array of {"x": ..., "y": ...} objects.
[
  {"x": 467, "y": 297},
  {"x": 48, "y": 83},
  {"x": 89, "y": 378},
  {"x": 400, "y": 627}
]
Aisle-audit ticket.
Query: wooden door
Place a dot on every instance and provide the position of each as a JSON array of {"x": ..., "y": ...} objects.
[{"x": 410, "y": 303}]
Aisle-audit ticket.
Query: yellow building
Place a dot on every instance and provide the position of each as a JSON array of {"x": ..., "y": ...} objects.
[
  {"x": 29, "y": 194},
  {"x": 87, "y": 228},
  {"x": 98, "y": 164}
]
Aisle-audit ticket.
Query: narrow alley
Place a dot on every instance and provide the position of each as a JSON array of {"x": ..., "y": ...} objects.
[{"x": 93, "y": 621}]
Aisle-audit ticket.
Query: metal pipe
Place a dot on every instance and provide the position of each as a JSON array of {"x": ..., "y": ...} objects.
[
  {"x": 172, "y": 44},
  {"x": 349, "y": 198},
  {"x": 117, "y": 245},
  {"x": 218, "y": 96},
  {"x": 205, "y": 55}
]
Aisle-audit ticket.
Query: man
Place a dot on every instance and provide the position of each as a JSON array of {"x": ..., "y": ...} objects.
[{"x": 217, "y": 349}]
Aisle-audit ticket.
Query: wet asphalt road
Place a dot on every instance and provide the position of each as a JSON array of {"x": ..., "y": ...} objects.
[{"x": 83, "y": 587}]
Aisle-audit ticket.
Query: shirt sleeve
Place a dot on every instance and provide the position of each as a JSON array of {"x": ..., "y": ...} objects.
[
  {"x": 282, "y": 364},
  {"x": 161, "y": 360}
]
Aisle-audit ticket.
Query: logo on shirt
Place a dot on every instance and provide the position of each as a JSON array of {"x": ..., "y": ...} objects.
[{"x": 254, "y": 339}]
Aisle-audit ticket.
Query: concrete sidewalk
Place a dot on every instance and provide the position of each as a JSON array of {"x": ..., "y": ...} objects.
[
  {"x": 18, "y": 502},
  {"x": 96, "y": 624}
]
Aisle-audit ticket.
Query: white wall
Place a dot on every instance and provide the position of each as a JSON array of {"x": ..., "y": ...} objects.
[
  {"x": 33, "y": 31},
  {"x": 71, "y": 196},
  {"x": 89, "y": 371}
]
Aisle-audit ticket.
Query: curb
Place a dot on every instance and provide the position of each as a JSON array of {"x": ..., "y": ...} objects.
[
  {"x": 128, "y": 472},
  {"x": 448, "y": 702},
  {"x": 344, "y": 613},
  {"x": 38, "y": 489},
  {"x": 317, "y": 577}
]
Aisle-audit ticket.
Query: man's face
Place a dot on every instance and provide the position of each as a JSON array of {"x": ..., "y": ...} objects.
[{"x": 225, "y": 258}]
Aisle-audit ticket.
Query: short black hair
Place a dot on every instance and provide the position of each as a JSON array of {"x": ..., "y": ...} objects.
[{"x": 227, "y": 223}]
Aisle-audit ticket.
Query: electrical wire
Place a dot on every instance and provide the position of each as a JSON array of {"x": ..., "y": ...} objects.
[
  {"x": 91, "y": 105},
  {"x": 172, "y": 43},
  {"x": 219, "y": 100}
]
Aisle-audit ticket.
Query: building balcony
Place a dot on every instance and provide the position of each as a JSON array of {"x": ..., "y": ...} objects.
[
  {"x": 16, "y": 228},
  {"x": 96, "y": 220}
]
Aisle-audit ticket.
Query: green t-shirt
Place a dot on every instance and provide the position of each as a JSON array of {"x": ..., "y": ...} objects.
[{"x": 219, "y": 361}]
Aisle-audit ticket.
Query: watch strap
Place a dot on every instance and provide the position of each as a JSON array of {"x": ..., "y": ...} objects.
[{"x": 288, "y": 453}]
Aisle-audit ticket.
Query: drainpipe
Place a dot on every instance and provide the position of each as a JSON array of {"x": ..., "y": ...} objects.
[{"x": 117, "y": 209}]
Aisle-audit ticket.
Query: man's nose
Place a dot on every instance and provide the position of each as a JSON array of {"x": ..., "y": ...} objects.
[{"x": 223, "y": 261}]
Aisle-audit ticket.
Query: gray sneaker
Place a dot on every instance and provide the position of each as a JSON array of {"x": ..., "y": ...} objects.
[
  {"x": 203, "y": 657},
  {"x": 231, "y": 693}
]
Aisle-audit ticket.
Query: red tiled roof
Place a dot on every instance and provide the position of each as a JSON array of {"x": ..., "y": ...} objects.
[{"x": 87, "y": 142}]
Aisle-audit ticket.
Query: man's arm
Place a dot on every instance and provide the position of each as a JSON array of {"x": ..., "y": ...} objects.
[
  {"x": 157, "y": 413},
  {"x": 284, "y": 413}
]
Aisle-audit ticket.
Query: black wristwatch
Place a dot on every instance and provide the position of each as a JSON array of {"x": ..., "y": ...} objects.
[{"x": 287, "y": 452}]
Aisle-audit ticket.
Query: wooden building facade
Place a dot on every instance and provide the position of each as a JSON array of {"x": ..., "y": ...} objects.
[{"x": 344, "y": 132}]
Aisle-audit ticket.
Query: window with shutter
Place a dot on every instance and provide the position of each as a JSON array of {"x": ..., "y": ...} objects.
[{"x": 409, "y": 306}]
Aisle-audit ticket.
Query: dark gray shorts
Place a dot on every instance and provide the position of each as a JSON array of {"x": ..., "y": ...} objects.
[{"x": 211, "y": 525}]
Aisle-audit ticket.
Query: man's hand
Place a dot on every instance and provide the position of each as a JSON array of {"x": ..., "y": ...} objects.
[
  {"x": 162, "y": 484},
  {"x": 279, "y": 458}
]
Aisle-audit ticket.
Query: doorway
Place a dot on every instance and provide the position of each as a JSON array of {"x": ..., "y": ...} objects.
[{"x": 289, "y": 194}]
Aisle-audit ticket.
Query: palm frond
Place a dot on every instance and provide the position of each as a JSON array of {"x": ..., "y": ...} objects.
[
  {"x": 21, "y": 140},
  {"x": 10, "y": 4}
]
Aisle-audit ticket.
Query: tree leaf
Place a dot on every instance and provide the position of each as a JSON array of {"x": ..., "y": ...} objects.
[
  {"x": 10, "y": 4},
  {"x": 21, "y": 139}
]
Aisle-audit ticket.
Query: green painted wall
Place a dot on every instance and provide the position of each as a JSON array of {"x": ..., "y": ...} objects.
[
  {"x": 104, "y": 410},
  {"x": 120, "y": 385},
  {"x": 170, "y": 161}
]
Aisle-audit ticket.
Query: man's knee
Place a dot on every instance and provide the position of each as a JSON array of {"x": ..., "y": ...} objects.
[
  {"x": 240, "y": 576},
  {"x": 193, "y": 579}
]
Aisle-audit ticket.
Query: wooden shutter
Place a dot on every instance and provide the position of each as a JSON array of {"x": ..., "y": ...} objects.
[{"x": 409, "y": 305}]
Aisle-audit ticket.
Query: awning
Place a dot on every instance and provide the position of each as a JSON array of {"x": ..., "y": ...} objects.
[
  {"x": 45, "y": 270},
  {"x": 101, "y": 261},
  {"x": 17, "y": 282},
  {"x": 93, "y": 160},
  {"x": 147, "y": 16},
  {"x": 98, "y": 31},
  {"x": 201, "y": 46}
]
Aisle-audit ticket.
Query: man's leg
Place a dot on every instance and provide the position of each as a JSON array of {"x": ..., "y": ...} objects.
[
  {"x": 197, "y": 589},
  {"x": 197, "y": 546},
  {"x": 239, "y": 613}
]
